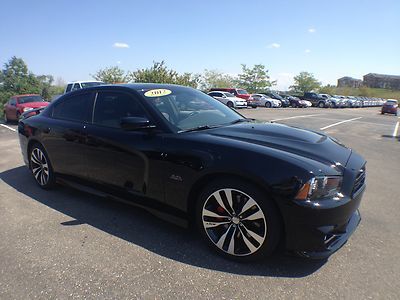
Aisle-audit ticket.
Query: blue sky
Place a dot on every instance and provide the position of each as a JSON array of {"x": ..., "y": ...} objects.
[{"x": 73, "y": 39}]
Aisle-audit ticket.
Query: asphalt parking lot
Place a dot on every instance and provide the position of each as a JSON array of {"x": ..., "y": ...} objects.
[{"x": 68, "y": 244}]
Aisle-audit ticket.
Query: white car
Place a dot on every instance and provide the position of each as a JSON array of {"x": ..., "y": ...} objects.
[
  {"x": 77, "y": 85},
  {"x": 263, "y": 100},
  {"x": 306, "y": 102},
  {"x": 228, "y": 99}
]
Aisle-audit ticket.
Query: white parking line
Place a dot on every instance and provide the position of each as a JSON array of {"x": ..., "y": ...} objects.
[
  {"x": 338, "y": 123},
  {"x": 295, "y": 117},
  {"x": 396, "y": 129},
  {"x": 8, "y": 127}
]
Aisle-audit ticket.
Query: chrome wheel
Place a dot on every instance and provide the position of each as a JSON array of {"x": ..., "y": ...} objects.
[
  {"x": 39, "y": 166},
  {"x": 234, "y": 222}
]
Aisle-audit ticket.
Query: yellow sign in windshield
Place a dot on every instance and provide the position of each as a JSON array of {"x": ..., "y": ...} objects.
[{"x": 157, "y": 93}]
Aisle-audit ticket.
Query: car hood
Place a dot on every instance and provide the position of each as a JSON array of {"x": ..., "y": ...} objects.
[
  {"x": 302, "y": 142},
  {"x": 34, "y": 104}
]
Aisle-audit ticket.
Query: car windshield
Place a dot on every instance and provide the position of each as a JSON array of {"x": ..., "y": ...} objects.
[
  {"x": 189, "y": 109},
  {"x": 28, "y": 99},
  {"x": 90, "y": 84},
  {"x": 229, "y": 94},
  {"x": 242, "y": 92}
]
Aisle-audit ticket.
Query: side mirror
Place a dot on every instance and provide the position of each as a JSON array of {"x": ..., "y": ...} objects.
[{"x": 136, "y": 123}]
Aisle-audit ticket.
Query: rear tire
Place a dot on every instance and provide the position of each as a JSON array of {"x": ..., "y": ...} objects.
[
  {"x": 236, "y": 219},
  {"x": 41, "y": 168}
]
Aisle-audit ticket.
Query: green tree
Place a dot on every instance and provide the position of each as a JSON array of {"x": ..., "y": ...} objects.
[
  {"x": 305, "y": 82},
  {"x": 159, "y": 73},
  {"x": 254, "y": 79},
  {"x": 216, "y": 79},
  {"x": 112, "y": 75},
  {"x": 16, "y": 78}
]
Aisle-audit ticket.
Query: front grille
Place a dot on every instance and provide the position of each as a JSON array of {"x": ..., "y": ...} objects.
[{"x": 360, "y": 180}]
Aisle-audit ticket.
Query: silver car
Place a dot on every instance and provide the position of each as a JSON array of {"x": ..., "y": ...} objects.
[
  {"x": 263, "y": 100},
  {"x": 228, "y": 99}
]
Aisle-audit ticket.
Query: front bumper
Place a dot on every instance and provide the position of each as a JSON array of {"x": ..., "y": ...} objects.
[
  {"x": 317, "y": 229},
  {"x": 241, "y": 105}
]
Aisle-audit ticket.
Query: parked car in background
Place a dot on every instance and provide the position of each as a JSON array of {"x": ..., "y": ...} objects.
[
  {"x": 390, "y": 107},
  {"x": 297, "y": 102},
  {"x": 228, "y": 99},
  {"x": 316, "y": 99},
  {"x": 264, "y": 101},
  {"x": 77, "y": 85},
  {"x": 19, "y": 104},
  {"x": 353, "y": 101},
  {"x": 274, "y": 95},
  {"x": 336, "y": 101},
  {"x": 246, "y": 186},
  {"x": 240, "y": 93}
]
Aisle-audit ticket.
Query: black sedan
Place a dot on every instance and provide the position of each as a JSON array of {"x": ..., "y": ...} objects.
[{"x": 189, "y": 158}]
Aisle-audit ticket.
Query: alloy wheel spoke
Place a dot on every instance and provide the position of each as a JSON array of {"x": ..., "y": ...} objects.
[
  {"x": 249, "y": 244},
  {"x": 217, "y": 197},
  {"x": 249, "y": 204},
  {"x": 254, "y": 216},
  {"x": 208, "y": 213},
  {"x": 222, "y": 239},
  {"x": 231, "y": 248},
  {"x": 37, "y": 173},
  {"x": 254, "y": 235},
  {"x": 34, "y": 158}
]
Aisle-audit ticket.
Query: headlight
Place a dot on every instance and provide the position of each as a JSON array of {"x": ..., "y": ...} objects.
[
  {"x": 27, "y": 108},
  {"x": 321, "y": 187}
]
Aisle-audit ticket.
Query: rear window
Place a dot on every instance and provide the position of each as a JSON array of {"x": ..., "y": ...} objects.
[
  {"x": 242, "y": 92},
  {"x": 28, "y": 99},
  {"x": 391, "y": 102},
  {"x": 90, "y": 84}
]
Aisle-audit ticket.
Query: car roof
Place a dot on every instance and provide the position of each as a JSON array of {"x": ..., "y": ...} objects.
[
  {"x": 24, "y": 95},
  {"x": 83, "y": 81}
]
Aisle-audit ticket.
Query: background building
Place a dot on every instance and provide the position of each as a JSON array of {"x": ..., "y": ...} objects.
[
  {"x": 382, "y": 81},
  {"x": 349, "y": 82}
]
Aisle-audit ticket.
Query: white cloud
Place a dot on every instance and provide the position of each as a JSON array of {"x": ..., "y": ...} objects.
[
  {"x": 118, "y": 62},
  {"x": 284, "y": 80},
  {"x": 312, "y": 30},
  {"x": 120, "y": 45},
  {"x": 307, "y": 51},
  {"x": 274, "y": 45}
]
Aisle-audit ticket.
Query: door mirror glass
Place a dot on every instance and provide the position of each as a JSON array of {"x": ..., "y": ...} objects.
[{"x": 136, "y": 123}]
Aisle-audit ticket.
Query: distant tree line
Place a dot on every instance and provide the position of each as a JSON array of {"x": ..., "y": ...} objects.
[{"x": 15, "y": 78}]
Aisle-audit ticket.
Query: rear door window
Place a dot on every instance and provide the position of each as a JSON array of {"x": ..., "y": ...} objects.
[{"x": 75, "y": 108}]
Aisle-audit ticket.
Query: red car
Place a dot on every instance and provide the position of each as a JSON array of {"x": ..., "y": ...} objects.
[
  {"x": 390, "y": 107},
  {"x": 19, "y": 104}
]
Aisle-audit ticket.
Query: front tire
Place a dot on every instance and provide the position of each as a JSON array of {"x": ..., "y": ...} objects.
[
  {"x": 237, "y": 220},
  {"x": 230, "y": 104},
  {"x": 41, "y": 167},
  {"x": 268, "y": 104},
  {"x": 321, "y": 104}
]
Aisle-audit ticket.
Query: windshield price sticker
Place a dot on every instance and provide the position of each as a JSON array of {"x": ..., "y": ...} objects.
[{"x": 157, "y": 93}]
